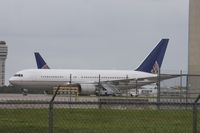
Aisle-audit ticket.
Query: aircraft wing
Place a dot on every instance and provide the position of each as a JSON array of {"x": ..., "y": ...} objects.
[
  {"x": 126, "y": 84},
  {"x": 133, "y": 83}
]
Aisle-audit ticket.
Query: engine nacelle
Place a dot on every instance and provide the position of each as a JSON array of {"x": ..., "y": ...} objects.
[{"x": 87, "y": 89}]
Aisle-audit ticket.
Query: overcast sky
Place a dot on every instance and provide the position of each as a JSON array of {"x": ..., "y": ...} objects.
[{"x": 93, "y": 34}]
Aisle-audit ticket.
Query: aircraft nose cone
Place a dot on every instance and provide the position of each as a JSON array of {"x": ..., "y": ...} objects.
[{"x": 12, "y": 81}]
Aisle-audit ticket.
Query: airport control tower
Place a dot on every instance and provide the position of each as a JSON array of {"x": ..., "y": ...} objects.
[
  {"x": 194, "y": 48},
  {"x": 3, "y": 56}
]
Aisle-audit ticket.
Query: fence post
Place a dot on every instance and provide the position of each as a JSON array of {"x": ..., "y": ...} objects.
[
  {"x": 158, "y": 89},
  {"x": 50, "y": 114},
  {"x": 99, "y": 91},
  {"x": 194, "y": 119},
  {"x": 181, "y": 84},
  {"x": 186, "y": 91}
]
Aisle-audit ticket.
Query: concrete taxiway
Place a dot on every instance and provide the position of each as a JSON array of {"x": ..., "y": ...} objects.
[{"x": 66, "y": 101}]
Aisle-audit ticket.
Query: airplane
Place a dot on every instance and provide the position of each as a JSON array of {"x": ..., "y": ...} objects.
[
  {"x": 91, "y": 81},
  {"x": 41, "y": 64}
]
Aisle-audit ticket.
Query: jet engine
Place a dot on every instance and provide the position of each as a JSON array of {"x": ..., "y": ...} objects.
[{"x": 88, "y": 89}]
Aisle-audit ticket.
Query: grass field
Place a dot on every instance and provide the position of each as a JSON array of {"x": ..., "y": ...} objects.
[{"x": 96, "y": 121}]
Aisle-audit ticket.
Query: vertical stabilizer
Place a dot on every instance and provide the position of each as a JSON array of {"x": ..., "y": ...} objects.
[
  {"x": 41, "y": 64},
  {"x": 154, "y": 60}
]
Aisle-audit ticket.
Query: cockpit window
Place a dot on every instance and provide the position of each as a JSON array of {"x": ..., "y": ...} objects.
[{"x": 18, "y": 75}]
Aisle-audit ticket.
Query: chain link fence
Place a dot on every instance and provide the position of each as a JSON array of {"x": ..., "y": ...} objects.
[
  {"x": 177, "y": 111},
  {"x": 103, "y": 116}
]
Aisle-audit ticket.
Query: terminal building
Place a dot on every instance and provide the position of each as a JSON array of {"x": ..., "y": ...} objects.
[
  {"x": 3, "y": 56},
  {"x": 194, "y": 48}
]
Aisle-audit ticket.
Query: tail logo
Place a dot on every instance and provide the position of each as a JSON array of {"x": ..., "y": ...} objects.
[
  {"x": 45, "y": 67},
  {"x": 155, "y": 68}
]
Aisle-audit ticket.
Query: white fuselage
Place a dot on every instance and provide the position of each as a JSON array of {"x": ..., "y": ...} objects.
[{"x": 48, "y": 78}]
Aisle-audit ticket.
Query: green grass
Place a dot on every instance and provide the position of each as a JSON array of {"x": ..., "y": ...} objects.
[
  {"x": 96, "y": 121},
  {"x": 23, "y": 120}
]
